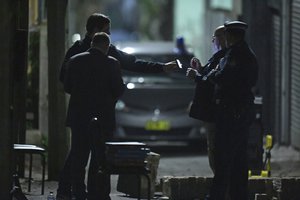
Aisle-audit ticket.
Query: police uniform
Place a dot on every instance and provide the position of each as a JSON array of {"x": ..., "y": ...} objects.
[{"x": 233, "y": 81}]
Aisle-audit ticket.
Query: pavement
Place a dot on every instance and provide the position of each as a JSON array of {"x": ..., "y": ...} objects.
[
  {"x": 51, "y": 186},
  {"x": 285, "y": 162}
]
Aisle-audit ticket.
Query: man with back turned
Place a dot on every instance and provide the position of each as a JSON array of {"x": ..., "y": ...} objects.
[{"x": 94, "y": 83}]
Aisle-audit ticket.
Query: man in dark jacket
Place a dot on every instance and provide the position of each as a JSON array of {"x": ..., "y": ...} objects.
[
  {"x": 203, "y": 105},
  {"x": 234, "y": 80},
  {"x": 101, "y": 23},
  {"x": 94, "y": 83}
]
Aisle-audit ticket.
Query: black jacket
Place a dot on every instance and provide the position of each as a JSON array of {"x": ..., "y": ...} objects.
[
  {"x": 203, "y": 105},
  {"x": 128, "y": 62},
  {"x": 95, "y": 83},
  {"x": 236, "y": 77}
]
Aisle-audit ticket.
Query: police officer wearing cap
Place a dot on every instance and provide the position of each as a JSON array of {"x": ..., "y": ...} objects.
[{"x": 233, "y": 79}]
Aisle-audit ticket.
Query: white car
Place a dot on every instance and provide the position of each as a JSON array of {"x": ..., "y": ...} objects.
[{"x": 155, "y": 107}]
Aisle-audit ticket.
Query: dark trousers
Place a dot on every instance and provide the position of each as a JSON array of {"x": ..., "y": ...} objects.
[
  {"x": 231, "y": 169},
  {"x": 85, "y": 140}
]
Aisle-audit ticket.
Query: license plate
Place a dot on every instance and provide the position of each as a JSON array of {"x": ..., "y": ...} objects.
[{"x": 159, "y": 125}]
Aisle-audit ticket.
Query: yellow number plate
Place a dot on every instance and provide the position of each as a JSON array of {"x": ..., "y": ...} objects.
[{"x": 159, "y": 125}]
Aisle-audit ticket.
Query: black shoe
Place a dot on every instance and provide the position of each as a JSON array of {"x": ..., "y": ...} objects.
[
  {"x": 97, "y": 198},
  {"x": 80, "y": 196},
  {"x": 63, "y": 197},
  {"x": 16, "y": 193},
  {"x": 207, "y": 197}
]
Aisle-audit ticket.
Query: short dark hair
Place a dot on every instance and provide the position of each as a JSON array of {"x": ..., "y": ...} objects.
[
  {"x": 101, "y": 39},
  {"x": 96, "y": 20}
]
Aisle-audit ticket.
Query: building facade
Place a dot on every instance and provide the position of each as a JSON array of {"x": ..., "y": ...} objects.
[{"x": 275, "y": 29}]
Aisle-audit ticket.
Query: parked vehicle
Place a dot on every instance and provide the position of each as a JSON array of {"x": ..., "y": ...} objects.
[{"x": 155, "y": 107}]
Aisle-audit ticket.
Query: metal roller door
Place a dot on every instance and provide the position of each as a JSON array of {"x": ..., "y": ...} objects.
[{"x": 295, "y": 74}]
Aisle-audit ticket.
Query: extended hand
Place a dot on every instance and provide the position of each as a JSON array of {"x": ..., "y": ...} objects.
[{"x": 170, "y": 66}]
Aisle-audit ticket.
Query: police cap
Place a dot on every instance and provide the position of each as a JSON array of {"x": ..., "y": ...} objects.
[{"x": 237, "y": 25}]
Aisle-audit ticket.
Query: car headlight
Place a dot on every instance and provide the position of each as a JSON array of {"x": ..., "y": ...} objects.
[
  {"x": 121, "y": 106},
  {"x": 130, "y": 86}
]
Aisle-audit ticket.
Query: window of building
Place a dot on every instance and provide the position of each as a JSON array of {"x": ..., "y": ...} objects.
[{"x": 221, "y": 4}]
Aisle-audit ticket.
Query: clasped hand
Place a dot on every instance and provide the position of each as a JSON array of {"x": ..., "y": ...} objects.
[{"x": 192, "y": 73}]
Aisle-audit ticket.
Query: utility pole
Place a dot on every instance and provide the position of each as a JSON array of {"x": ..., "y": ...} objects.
[
  {"x": 20, "y": 64},
  {"x": 58, "y": 139},
  {"x": 13, "y": 59}
]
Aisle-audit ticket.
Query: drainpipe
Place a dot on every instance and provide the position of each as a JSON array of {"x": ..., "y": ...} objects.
[{"x": 285, "y": 75}]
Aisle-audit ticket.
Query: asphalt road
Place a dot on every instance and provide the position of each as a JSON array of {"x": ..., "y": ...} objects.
[{"x": 182, "y": 161}]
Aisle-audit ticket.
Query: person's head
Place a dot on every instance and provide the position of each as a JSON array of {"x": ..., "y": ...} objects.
[
  {"x": 234, "y": 32},
  {"x": 97, "y": 23},
  {"x": 101, "y": 41},
  {"x": 218, "y": 39}
]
